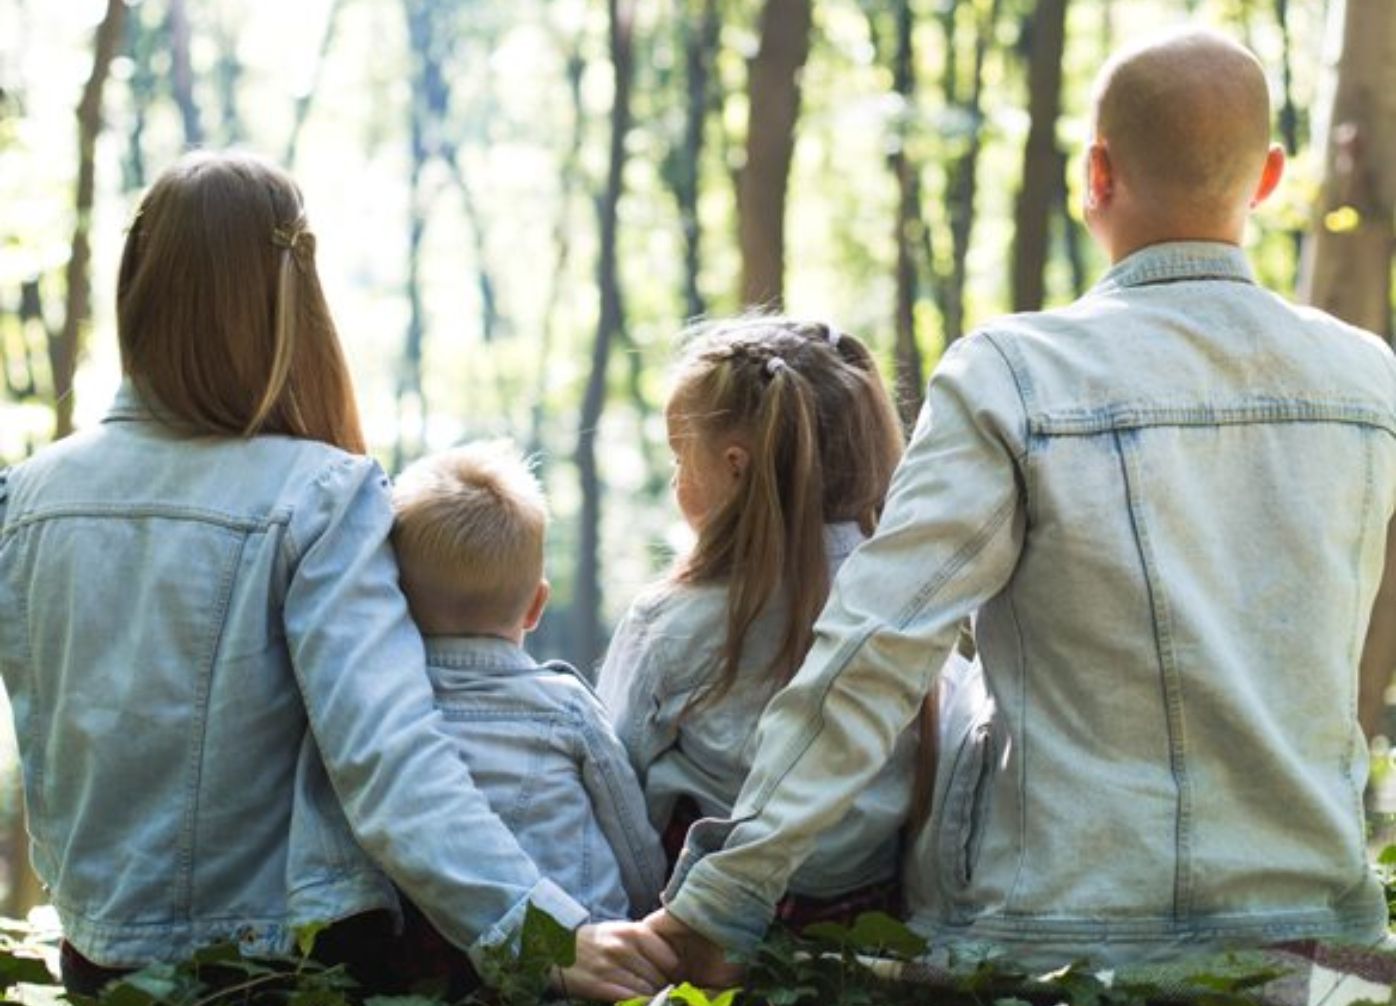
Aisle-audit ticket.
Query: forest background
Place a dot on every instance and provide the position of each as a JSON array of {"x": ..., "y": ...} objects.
[{"x": 520, "y": 204}]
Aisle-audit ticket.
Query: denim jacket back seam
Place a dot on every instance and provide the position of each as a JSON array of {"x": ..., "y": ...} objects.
[
  {"x": 199, "y": 721},
  {"x": 1126, "y": 416},
  {"x": 199, "y": 515},
  {"x": 1170, "y": 675}
]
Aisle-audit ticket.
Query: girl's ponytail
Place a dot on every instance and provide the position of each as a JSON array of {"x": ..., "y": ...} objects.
[{"x": 780, "y": 526}]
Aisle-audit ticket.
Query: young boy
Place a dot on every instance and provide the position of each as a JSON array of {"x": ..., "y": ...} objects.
[{"x": 469, "y": 530}]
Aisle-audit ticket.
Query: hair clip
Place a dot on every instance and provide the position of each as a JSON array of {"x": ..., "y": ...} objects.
[
  {"x": 775, "y": 365},
  {"x": 834, "y": 334},
  {"x": 287, "y": 237}
]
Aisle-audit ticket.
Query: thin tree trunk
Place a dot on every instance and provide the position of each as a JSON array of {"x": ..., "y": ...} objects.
[
  {"x": 774, "y": 96},
  {"x": 1288, "y": 115},
  {"x": 304, "y": 99},
  {"x": 410, "y": 398},
  {"x": 610, "y": 324},
  {"x": 67, "y": 347},
  {"x": 1041, "y": 158},
  {"x": 700, "y": 40},
  {"x": 562, "y": 247},
  {"x": 182, "y": 73},
  {"x": 911, "y": 236},
  {"x": 1347, "y": 261},
  {"x": 964, "y": 184}
]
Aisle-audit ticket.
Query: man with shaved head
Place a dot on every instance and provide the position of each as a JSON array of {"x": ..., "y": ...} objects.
[{"x": 1166, "y": 507}]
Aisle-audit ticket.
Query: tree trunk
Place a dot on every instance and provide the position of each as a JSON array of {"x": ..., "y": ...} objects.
[
  {"x": 1041, "y": 158},
  {"x": 700, "y": 40},
  {"x": 586, "y": 600},
  {"x": 774, "y": 96},
  {"x": 182, "y": 74},
  {"x": 1347, "y": 260},
  {"x": 67, "y": 347},
  {"x": 562, "y": 245},
  {"x": 911, "y": 236},
  {"x": 963, "y": 184},
  {"x": 304, "y": 99}
]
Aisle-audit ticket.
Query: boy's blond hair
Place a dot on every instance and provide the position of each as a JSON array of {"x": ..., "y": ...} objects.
[{"x": 469, "y": 532}]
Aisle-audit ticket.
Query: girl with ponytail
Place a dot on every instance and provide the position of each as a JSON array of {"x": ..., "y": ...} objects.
[{"x": 784, "y": 441}]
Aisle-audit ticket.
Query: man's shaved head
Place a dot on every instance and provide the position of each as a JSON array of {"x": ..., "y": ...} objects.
[{"x": 1186, "y": 121}]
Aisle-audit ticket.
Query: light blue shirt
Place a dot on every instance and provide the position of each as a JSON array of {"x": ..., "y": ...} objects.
[
  {"x": 1168, "y": 503},
  {"x": 668, "y": 646},
  {"x": 214, "y": 679},
  {"x": 541, "y": 748}
]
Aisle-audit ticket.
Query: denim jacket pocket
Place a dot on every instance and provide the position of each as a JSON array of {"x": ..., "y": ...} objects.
[{"x": 965, "y": 804}]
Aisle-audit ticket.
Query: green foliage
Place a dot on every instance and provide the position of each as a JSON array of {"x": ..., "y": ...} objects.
[
  {"x": 827, "y": 965},
  {"x": 520, "y": 977}
]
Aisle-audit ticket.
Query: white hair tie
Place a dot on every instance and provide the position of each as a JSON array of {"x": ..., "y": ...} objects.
[
  {"x": 834, "y": 334},
  {"x": 776, "y": 364}
]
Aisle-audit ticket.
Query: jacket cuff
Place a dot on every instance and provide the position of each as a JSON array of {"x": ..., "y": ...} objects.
[
  {"x": 545, "y": 896},
  {"x": 705, "y": 900}
]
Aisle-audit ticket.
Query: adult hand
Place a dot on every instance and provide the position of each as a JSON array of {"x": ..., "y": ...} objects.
[
  {"x": 701, "y": 961},
  {"x": 617, "y": 960}
]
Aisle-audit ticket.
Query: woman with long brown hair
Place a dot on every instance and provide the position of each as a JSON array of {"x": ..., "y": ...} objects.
[{"x": 225, "y": 724}]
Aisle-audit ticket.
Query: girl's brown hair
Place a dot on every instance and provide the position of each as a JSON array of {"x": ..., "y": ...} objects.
[
  {"x": 220, "y": 315},
  {"x": 808, "y": 404}
]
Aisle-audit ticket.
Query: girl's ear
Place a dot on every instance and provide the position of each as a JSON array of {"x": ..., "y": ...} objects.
[{"x": 737, "y": 458}]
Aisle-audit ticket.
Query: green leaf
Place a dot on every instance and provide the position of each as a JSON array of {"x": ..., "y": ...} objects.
[
  {"x": 879, "y": 932},
  {"x": 15, "y": 968},
  {"x": 126, "y": 993},
  {"x": 220, "y": 953},
  {"x": 827, "y": 932},
  {"x": 690, "y": 995},
  {"x": 318, "y": 997},
  {"x": 307, "y": 934},
  {"x": 546, "y": 941},
  {"x": 1387, "y": 856}
]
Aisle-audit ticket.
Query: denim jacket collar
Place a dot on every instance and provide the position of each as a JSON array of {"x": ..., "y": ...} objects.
[
  {"x": 1174, "y": 262},
  {"x": 130, "y": 405},
  {"x": 485, "y": 653}
]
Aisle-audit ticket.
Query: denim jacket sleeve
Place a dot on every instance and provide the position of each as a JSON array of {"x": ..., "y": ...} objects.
[
  {"x": 619, "y": 806},
  {"x": 948, "y": 541},
  {"x": 360, "y": 666},
  {"x": 633, "y": 683}
]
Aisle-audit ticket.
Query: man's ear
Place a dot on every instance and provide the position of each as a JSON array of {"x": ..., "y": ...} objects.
[
  {"x": 1270, "y": 175},
  {"x": 737, "y": 458},
  {"x": 535, "y": 609},
  {"x": 1100, "y": 175}
]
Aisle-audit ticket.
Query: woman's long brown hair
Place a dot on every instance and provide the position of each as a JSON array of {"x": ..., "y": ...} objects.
[{"x": 220, "y": 315}]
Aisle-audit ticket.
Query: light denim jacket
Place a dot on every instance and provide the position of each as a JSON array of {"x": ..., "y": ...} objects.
[
  {"x": 1169, "y": 504},
  {"x": 540, "y": 746},
  {"x": 666, "y": 647},
  {"x": 195, "y": 630}
]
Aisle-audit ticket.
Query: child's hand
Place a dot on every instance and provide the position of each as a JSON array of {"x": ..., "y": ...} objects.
[
  {"x": 617, "y": 960},
  {"x": 701, "y": 961}
]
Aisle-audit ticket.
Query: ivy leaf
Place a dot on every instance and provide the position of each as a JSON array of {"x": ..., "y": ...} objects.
[
  {"x": 689, "y": 995},
  {"x": 307, "y": 934},
  {"x": 879, "y": 932},
  {"x": 545, "y": 941},
  {"x": 16, "y": 968},
  {"x": 318, "y": 997}
]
